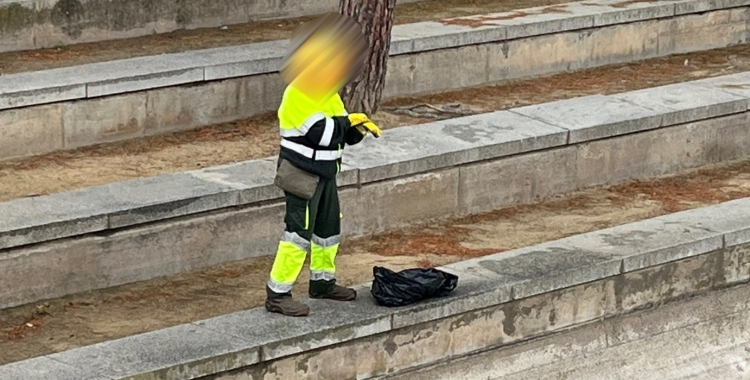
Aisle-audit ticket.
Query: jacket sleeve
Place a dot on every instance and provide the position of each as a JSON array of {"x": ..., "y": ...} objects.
[
  {"x": 353, "y": 136},
  {"x": 329, "y": 131}
]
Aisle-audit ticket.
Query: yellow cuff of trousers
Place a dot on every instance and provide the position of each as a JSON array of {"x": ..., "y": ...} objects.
[
  {"x": 288, "y": 263},
  {"x": 323, "y": 259}
]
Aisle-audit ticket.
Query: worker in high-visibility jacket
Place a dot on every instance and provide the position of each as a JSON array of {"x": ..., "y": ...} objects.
[{"x": 315, "y": 126}]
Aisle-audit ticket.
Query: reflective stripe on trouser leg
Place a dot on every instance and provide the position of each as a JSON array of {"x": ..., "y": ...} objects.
[
  {"x": 323, "y": 257},
  {"x": 288, "y": 262},
  {"x": 307, "y": 216}
]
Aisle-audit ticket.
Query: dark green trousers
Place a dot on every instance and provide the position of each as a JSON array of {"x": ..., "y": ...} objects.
[{"x": 311, "y": 225}]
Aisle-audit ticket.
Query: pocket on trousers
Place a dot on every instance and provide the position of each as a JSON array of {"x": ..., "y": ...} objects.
[{"x": 296, "y": 181}]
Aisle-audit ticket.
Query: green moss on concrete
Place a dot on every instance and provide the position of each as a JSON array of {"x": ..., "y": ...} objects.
[
  {"x": 15, "y": 18},
  {"x": 72, "y": 17}
]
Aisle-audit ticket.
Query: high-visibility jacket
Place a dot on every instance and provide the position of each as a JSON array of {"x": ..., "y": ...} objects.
[{"x": 313, "y": 136}]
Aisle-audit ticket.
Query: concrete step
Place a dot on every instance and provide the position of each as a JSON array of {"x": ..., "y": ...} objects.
[
  {"x": 232, "y": 35},
  {"x": 705, "y": 337},
  {"x": 34, "y": 24},
  {"x": 104, "y": 236},
  {"x": 504, "y": 301},
  {"x": 72, "y": 107}
]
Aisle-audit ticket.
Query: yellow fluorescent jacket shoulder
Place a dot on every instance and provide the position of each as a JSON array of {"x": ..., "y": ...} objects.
[{"x": 296, "y": 108}]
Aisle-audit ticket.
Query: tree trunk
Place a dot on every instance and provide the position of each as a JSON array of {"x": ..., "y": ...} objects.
[{"x": 364, "y": 93}]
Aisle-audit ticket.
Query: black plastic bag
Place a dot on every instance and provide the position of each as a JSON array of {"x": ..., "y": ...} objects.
[{"x": 411, "y": 285}]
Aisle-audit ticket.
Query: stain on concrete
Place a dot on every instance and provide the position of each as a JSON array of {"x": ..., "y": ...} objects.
[
  {"x": 272, "y": 370},
  {"x": 740, "y": 256},
  {"x": 184, "y": 15},
  {"x": 552, "y": 317},
  {"x": 404, "y": 341},
  {"x": 15, "y": 18},
  {"x": 510, "y": 314},
  {"x": 301, "y": 366},
  {"x": 646, "y": 280},
  {"x": 505, "y": 48},
  {"x": 164, "y": 208},
  {"x": 74, "y": 17},
  {"x": 722, "y": 150},
  {"x": 695, "y": 226},
  {"x": 711, "y": 271},
  {"x": 121, "y": 129},
  {"x": 305, "y": 342},
  {"x": 390, "y": 346},
  {"x": 526, "y": 311},
  {"x": 536, "y": 264},
  {"x": 468, "y": 318},
  {"x": 423, "y": 333},
  {"x": 627, "y": 239},
  {"x": 647, "y": 287},
  {"x": 68, "y": 15},
  {"x": 618, "y": 286},
  {"x": 107, "y": 244},
  {"x": 472, "y": 132}
]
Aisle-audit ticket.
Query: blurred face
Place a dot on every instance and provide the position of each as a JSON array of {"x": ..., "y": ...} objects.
[
  {"x": 323, "y": 67},
  {"x": 327, "y": 60}
]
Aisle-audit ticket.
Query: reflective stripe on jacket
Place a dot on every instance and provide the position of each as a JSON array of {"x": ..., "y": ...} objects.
[{"x": 313, "y": 135}]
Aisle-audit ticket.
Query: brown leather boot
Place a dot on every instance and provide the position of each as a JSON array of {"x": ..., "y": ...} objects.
[
  {"x": 286, "y": 305},
  {"x": 329, "y": 290}
]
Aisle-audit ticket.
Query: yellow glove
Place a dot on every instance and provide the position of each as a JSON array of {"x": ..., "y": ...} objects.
[
  {"x": 368, "y": 127},
  {"x": 372, "y": 128},
  {"x": 364, "y": 124},
  {"x": 358, "y": 118}
]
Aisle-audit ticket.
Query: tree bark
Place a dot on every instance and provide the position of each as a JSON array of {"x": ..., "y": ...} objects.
[{"x": 364, "y": 93}]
